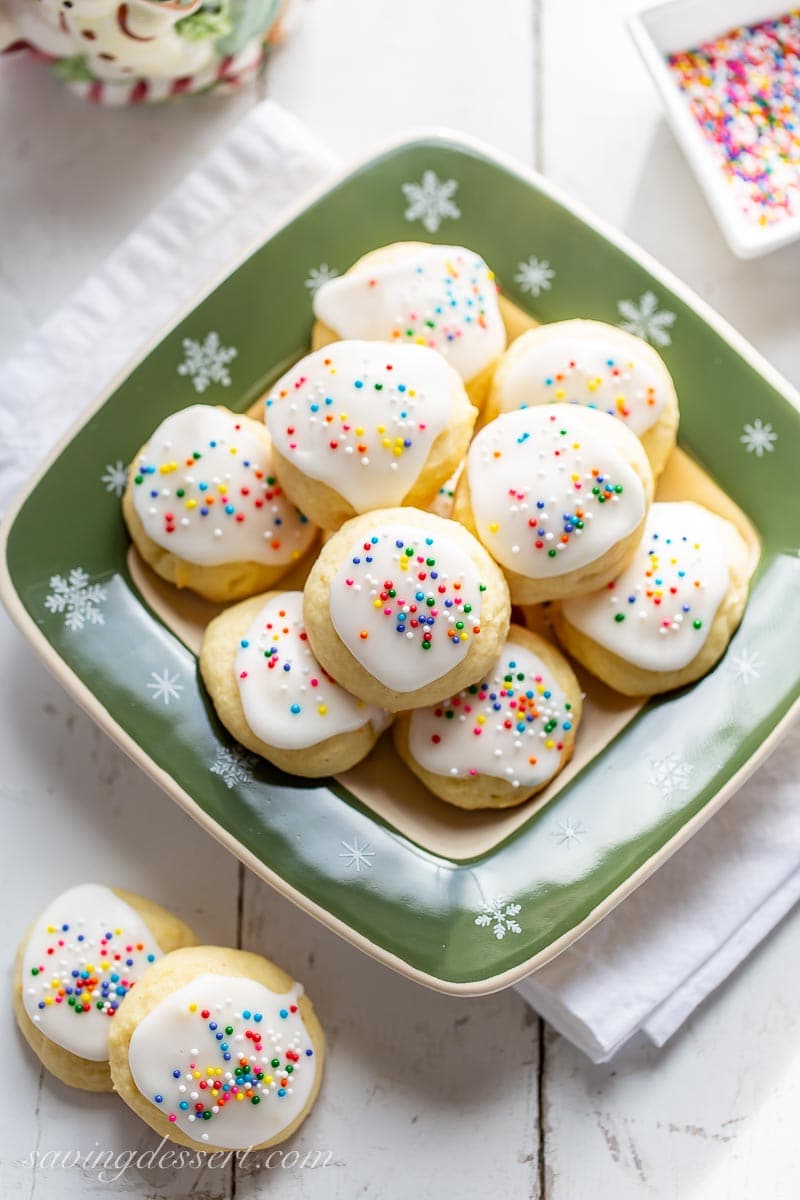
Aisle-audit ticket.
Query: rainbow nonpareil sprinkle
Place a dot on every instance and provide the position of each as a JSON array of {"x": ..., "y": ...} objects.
[{"x": 744, "y": 91}]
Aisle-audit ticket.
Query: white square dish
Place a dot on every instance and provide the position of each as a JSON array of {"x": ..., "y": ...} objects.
[{"x": 677, "y": 25}]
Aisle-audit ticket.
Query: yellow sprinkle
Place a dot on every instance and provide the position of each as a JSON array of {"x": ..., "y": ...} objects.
[
  {"x": 342, "y": 416},
  {"x": 267, "y": 1079},
  {"x": 168, "y": 468},
  {"x": 209, "y": 1070},
  {"x": 493, "y": 528},
  {"x": 51, "y": 928},
  {"x": 359, "y": 430},
  {"x": 398, "y": 450},
  {"x": 481, "y": 720},
  {"x": 549, "y": 743},
  {"x": 192, "y": 1008},
  {"x": 295, "y": 554},
  {"x": 463, "y": 635},
  {"x": 411, "y": 392},
  {"x": 195, "y": 1074},
  {"x": 240, "y": 1096},
  {"x": 48, "y": 999},
  {"x": 381, "y": 429},
  {"x": 575, "y": 478},
  {"x": 540, "y": 689},
  {"x": 560, "y": 393},
  {"x": 233, "y": 450},
  {"x": 404, "y": 564},
  {"x": 191, "y": 504},
  {"x": 377, "y": 602},
  {"x": 55, "y": 983},
  {"x": 322, "y": 709},
  {"x": 386, "y": 442},
  {"x": 222, "y": 488}
]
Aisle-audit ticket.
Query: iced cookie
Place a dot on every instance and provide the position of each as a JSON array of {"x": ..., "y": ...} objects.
[
  {"x": 363, "y": 425},
  {"x": 274, "y": 697},
  {"x": 219, "y": 1050},
  {"x": 499, "y": 741},
  {"x": 78, "y": 962},
  {"x": 444, "y": 297},
  {"x": 599, "y": 366},
  {"x": 404, "y": 608},
  {"x": 205, "y": 510},
  {"x": 558, "y": 495},
  {"x": 668, "y": 617}
]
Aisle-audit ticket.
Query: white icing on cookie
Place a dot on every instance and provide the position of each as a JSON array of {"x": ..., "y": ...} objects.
[
  {"x": 84, "y": 954},
  {"x": 362, "y": 417},
  {"x": 510, "y": 726},
  {"x": 588, "y": 363},
  {"x": 204, "y": 489},
  {"x": 287, "y": 698},
  {"x": 657, "y": 614},
  {"x": 444, "y": 297},
  {"x": 186, "y": 1062},
  {"x": 407, "y": 603},
  {"x": 549, "y": 492}
]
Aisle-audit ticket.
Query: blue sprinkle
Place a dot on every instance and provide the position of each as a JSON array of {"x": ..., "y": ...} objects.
[{"x": 295, "y": 708}]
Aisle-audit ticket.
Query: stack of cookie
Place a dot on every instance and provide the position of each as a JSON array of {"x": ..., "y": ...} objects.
[
  {"x": 404, "y": 617},
  {"x": 215, "y": 1048}
]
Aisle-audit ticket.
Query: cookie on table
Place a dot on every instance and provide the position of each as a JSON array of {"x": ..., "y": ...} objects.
[
  {"x": 77, "y": 963},
  {"x": 668, "y": 617},
  {"x": 444, "y": 297},
  {"x": 596, "y": 365},
  {"x": 497, "y": 742},
  {"x": 558, "y": 495},
  {"x": 403, "y": 608},
  {"x": 205, "y": 510},
  {"x": 362, "y": 425},
  {"x": 274, "y": 697},
  {"x": 219, "y": 1050}
]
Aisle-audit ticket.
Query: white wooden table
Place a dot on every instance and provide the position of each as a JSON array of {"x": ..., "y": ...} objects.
[{"x": 425, "y": 1095}]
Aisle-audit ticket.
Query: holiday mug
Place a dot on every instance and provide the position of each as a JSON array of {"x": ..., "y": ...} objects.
[{"x": 142, "y": 50}]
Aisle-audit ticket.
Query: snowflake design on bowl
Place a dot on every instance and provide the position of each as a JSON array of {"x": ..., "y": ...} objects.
[
  {"x": 77, "y": 598},
  {"x": 319, "y": 275},
  {"x": 758, "y": 438},
  {"x": 645, "y": 319},
  {"x": 670, "y": 775},
  {"x": 115, "y": 478},
  {"x": 500, "y": 915},
  {"x": 206, "y": 362},
  {"x": 233, "y": 765},
  {"x": 357, "y": 855},
  {"x": 431, "y": 201},
  {"x": 165, "y": 686},
  {"x": 569, "y": 832},
  {"x": 746, "y": 665},
  {"x": 534, "y": 275}
]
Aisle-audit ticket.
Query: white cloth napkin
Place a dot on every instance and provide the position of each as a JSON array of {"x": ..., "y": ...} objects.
[{"x": 649, "y": 964}]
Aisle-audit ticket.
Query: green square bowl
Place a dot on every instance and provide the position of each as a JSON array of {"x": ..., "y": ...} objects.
[{"x": 460, "y": 925}]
